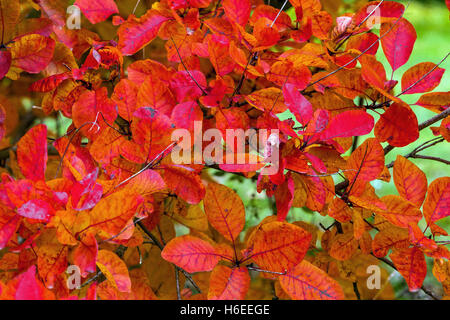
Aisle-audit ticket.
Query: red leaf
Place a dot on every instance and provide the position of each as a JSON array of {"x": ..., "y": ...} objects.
[
  {"x": 297, "y": 104},
  {"x": 278, "y": 246},
  {"x": 91, "y": 111},
  {"x": 36, "y": 209},
  {"x": 228, "y": 284},
  {"x": 436, "y": 206},
  {"x": 191, "y": 254},
  {"x": 415, "y": 79},
  {"x": 185, "y": 182},
  {"x": 136, "y": 33},
  {"x": 32, "y": 153},
  {"x": 412, "y": 266},
  {"x": 307, "y": 282},
  {"x": 5, "y": 63},
  {"x": 86, "y": 193},
  {"x": 97, "y": 10},
  {"x": 398, "y": 126},
  {"x": 48, "y": 84},
  {"x": 32, "y": 53},
  {"x": 225, "y": 210},
  {"x": 9, "y": 221},
  {"x": 348, "y": 124},
  {"x": 237, "y": 11},
  {"x": 284, "y": 196},
  {"x": 398, "y": 43},
  {"x": 29, "y": 288},
  {"x": 410, "y": 181}
]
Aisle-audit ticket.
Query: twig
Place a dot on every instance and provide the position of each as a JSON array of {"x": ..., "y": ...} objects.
[
  {"x": 424, "y": 76},
  {"x": 161, "y": 247},
  {"x": 177, "y": 279},
  {"x": 418, "y": 156},
  {"x": 355, "y": 289},
  {"x": 185, "y": 68}
]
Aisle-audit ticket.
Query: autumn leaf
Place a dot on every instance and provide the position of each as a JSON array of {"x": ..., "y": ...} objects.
[
  {"x": 422, "y": 77},
  {"x": 32, "y": 153},
  {"x": 32, "y": 53},
  {"x": 112, "y": 213},
  {"x": 392, "y": 126},
  {"x": 400, "y": 212},
  {"x": 136, "y": 33},
  {"x": 411, "y": 264},
  {"x": 97, "y": 11},
  {"x": 114, "y": 269},
  {"x": 436, "y": 205},
  {"x": 191, "y": 253},
  {"x": 225, "y": 210},
  {"x": 278, "y": 246},
  {"x": 410, "y": 181},
  {"x": 307, "y": 282},
  {"x": 398, "y": 41},
  {"x": 228, "y": 284}
]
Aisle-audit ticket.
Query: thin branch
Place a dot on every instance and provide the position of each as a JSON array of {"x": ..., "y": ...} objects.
[
  {"x": 422, "y": 147},
  {"x": 424, "y": 76},
  {"x": 185, "y": 68},
  {"x": 148, "y": 166},
  {"x": 418, "y": 156},
  {"x": 161, "y": 247},
  {"x": 265, "y": 271},
  {"x": 177, "y": 280},
  {"x": 355, "y": 289}
]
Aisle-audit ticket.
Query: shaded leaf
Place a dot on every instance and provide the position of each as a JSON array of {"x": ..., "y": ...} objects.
[{"x": 307, "y": 282}]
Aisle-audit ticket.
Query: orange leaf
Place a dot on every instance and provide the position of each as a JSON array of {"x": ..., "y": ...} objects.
[
  {"x": 307, "y": 282},
  {"x": 136, "y": 33},
  {"x": 112, "y": 213},
  {"x": 228, "y": 284},
  {"x": 32, "y": 153},
  {"x": 191, "y": 254},
  {"x": 278, "y": 246},
  {"x": 366, "y": 162},
  {"x": 343, "y": 246},
  {"x": 410, "y": 181},
  {"x": 398, "y": 126},
  {"x": 270, "y": 99},
  {"x": 435, "y": 101},
  {"x": 32, "y": 53},
  {"x": 400, "y": 212},
  {"x": 114, "y": 269},
  {"x": 392, "y": 237},
  {"x": 415, "y": 81},
  {"x": 185, "y": 182},
  {"x": 225, "y": 210},
  {"x": 412, "y": 266},
  {"x": 436, "y": 206}
]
